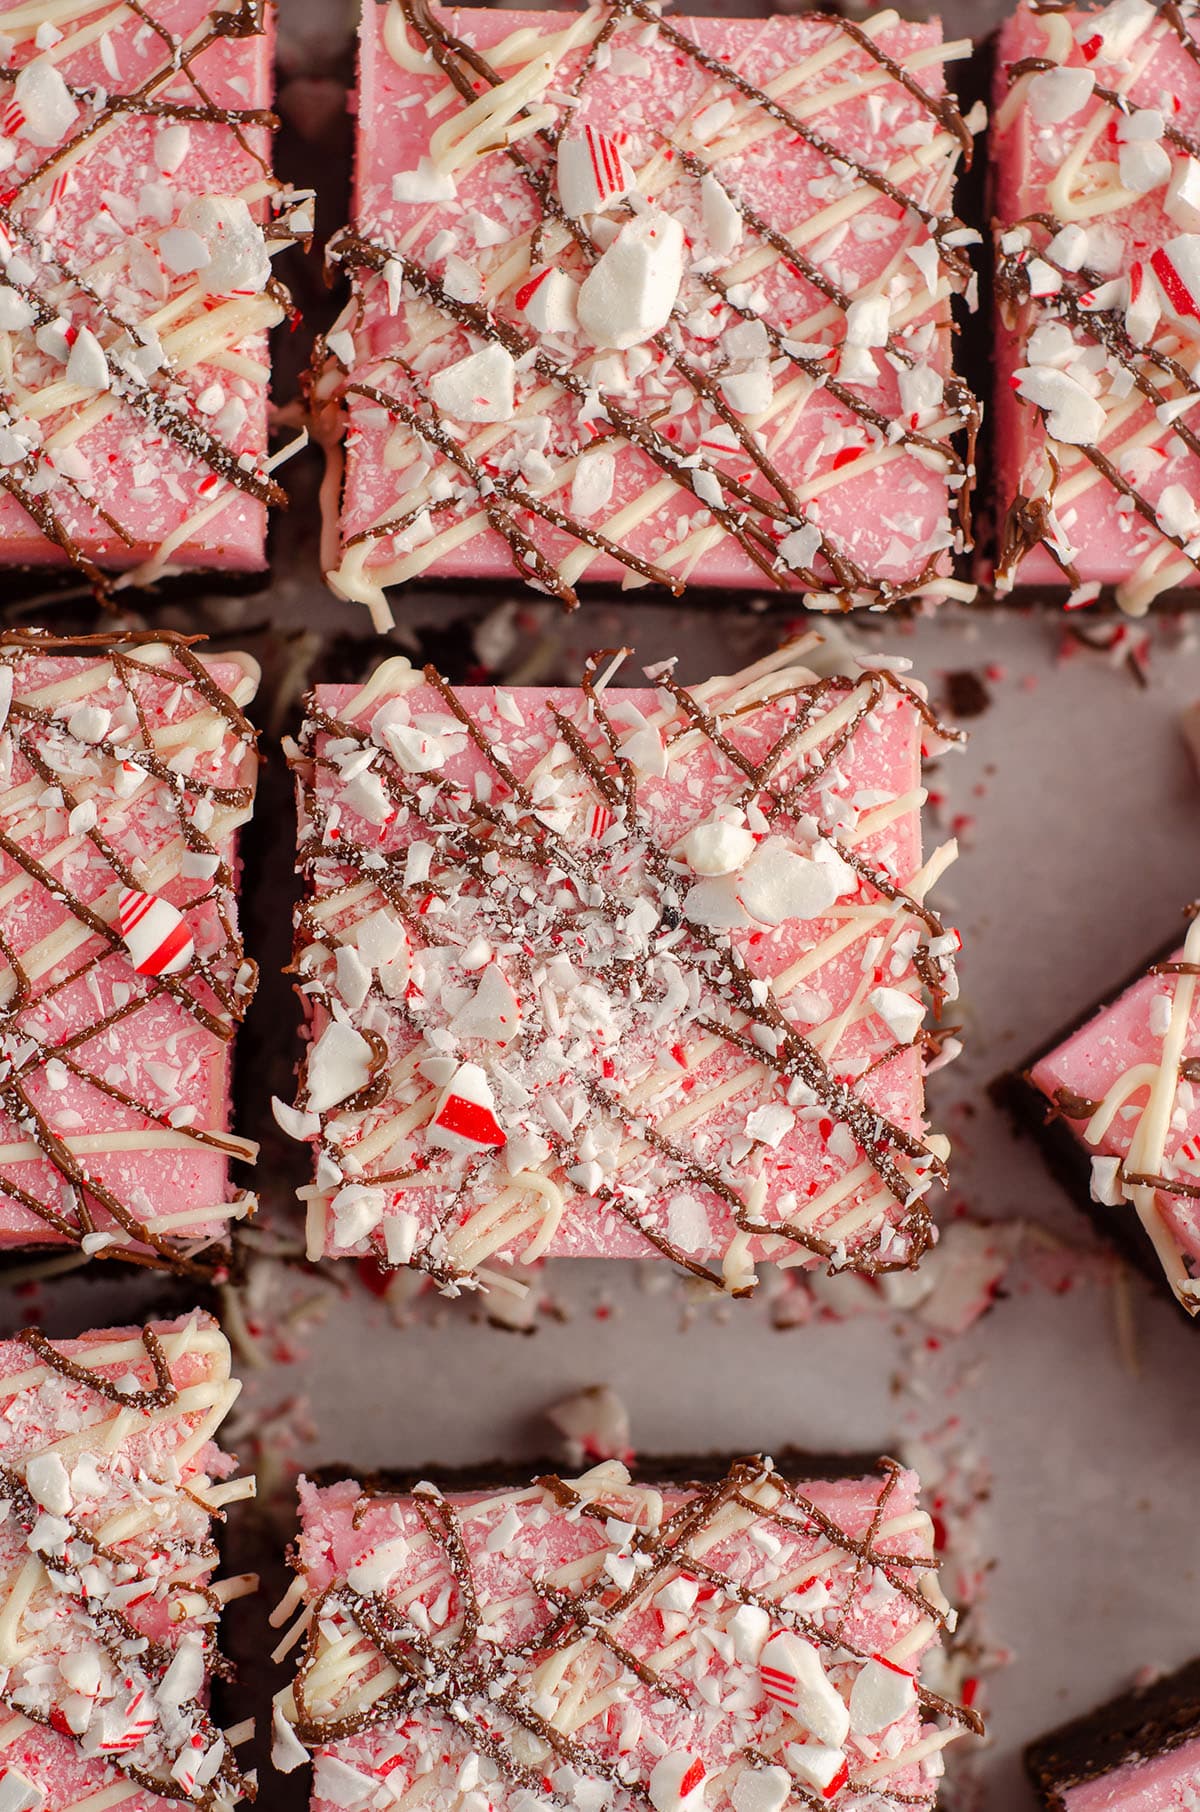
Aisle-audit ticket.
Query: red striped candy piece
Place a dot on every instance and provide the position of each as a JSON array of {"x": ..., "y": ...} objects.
[
  {"x": 592, "y": 174},
  {"x": 155, "y": 933}
]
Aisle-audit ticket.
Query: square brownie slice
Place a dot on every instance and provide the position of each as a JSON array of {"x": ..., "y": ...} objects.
[
  {"x": 600, "y": 972},
  {"x": 1116, "y": 1102},
  {"x": 744, "y": 1643},
  {"x": 1136, "y": 1754},
  {"x": 136, "y": 235},
  {"x": 111, "y": 1481},
  {"x": 651, "y": 300},
  {"x": 1096, "y": 187},
  {"x": 127, "y": 766}
]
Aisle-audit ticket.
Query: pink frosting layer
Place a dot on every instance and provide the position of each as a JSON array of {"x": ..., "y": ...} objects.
[
  {"x": 1164, "y": 1783},
  {"x": 889, "y": 517}
]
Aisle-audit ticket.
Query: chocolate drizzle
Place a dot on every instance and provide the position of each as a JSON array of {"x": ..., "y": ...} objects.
[
  {"x": 505, "y": 869},
  {"x": 758, "y": 509},
  {"x": 471, "y": 1687},
  {"x": 58, "y": 289},
  {"x": 68, "y": 1194}
]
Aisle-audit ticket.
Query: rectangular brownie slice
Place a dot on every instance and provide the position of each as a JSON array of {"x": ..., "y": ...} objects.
[
  {"x": 111, "y": 1481},
  {"x": 614, "y": 973},
  {"x": 136, "y": 232},
  {"x": 651, "y": 300},
  {"x": 127, "y": 766},
  {"x": 1117, "y": 1100},
  {"x": 1096, "y": 188},
  {"x": 1138, "y": 1754},
  {"x": 602, "y": 1642}
]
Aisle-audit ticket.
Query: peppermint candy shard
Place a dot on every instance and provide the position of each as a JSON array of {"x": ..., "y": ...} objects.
[{"x": 155, "y": 933}]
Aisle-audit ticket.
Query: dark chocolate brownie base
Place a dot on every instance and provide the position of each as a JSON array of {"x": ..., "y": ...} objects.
[
  {"x": 1144, "y": 1723},
  {"x": 1069, "y": 1161},
  {"x": 655, "y": 1469}
]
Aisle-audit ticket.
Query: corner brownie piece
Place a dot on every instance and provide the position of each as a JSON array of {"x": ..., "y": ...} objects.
[
  {"x": 1137, "y": 1754},
  {"x": 652, "y": 300},
  {"x": 136, "y": 233},
  {"x": 617, "y": 973},
  {"x": 126, "y": 767},
  {"x": 1096, "y": 181},
  {"x": 111, "y": 1481},
  {"x": 1118, "y": 1103},
  {"x": 599, "y": 1642}
]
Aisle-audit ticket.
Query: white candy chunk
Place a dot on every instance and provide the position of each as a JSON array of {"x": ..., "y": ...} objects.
[
  {"x": 1056, "y": 95},
  {"x": 415, "y": 751},
  {"x": 86, "y": 363},
  {"x": 592, "y": 485},
  {"x": 42, "y": 97},
  {"x": 18, "y": 1793},
  {"x": 287, "y": 1751},
  {"x": 88, "y": 723},
  {"x": 676, "y": 1782},
  {"x": 1073, "y": 415},
  {"x": 1069, "y": 247},
  {"x": 1106, "y": 1185},
  {"x": 494, "y": 1013},
  {"x": 48, "y": 1483},
  {"x": 549, "y": 301},
  {"x": 1177, "y": 267},
  {"x": 478, "y": 388},
  {"x": 1144, "y": 307},
  {"x": 799, "y": 549},
  {"x": 901, "y": 1013},
  {"x": 353, "y": 977},
  {"x": 816, "y": 1764},
  {"x": 171, "y": 146},
  {"x": 880, "y": 1696},
  {"x": 748, "y": 392},
  {"x": 722, "y": 221},
  {"x": 400, "y": 1233},
  {"x": 183, "y": 251},
  {"x": 292, "y": 1121},
  {"x": 1112, "y": 33},
  {"x": 15, "y": 311},
  {"x": 867, "y": 321},
  {"x": 594, "y": 1423},
  {"x": 791, "y": 1673},
  {"x": 642, "y": 745},
  {"x": 1182, "y": 203},
  {"x": 749, "y": 1627},
  {"x": 718, "y": 847},
  {"x": 592, "y": 175},
  {"x": 357, "y": 1211},
  {"x": 238, "y": 264},
  {"x": 464, "y": 1121},
  {"x": 780, "y": 883},
  {"x": 1143, "y": 165},
  {"x": 184, "y": 1678},
  {"x": 1177, "y": 513},
  {"x": 715, "y": 904},
  {"x": 627, "y": 296},
  {"x": 340, "y": 1784},
  {"x": 425, "y": 183},
  {"x": 339, "y": 1064},
  {"x": 921, "y": 391},
  {"x": 761, "y": 1790},
  {"x": 375, "y": 1571}
]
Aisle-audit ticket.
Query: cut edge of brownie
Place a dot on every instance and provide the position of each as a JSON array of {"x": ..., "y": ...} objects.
[
  {"x": 1067, "y": 1159},
  {"x": 1146, "y": 1722},
  {"x": 679, "y": 1469}
]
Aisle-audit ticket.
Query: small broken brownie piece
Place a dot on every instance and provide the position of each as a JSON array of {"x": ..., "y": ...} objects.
[
  {"x": 735, "y": 1646},
  {"x": 1096, "y": 182},
  {"x": 111, "y": 1481},
  {"x": 138, "y": 221},
  {"x": 1140, "y": 1753},
  {"x": 1118, "y": 1099},
  {"x": 126, "y": 768},
  {"x": 599, "y": 972},
  {"x": 651, "y": 300}
]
